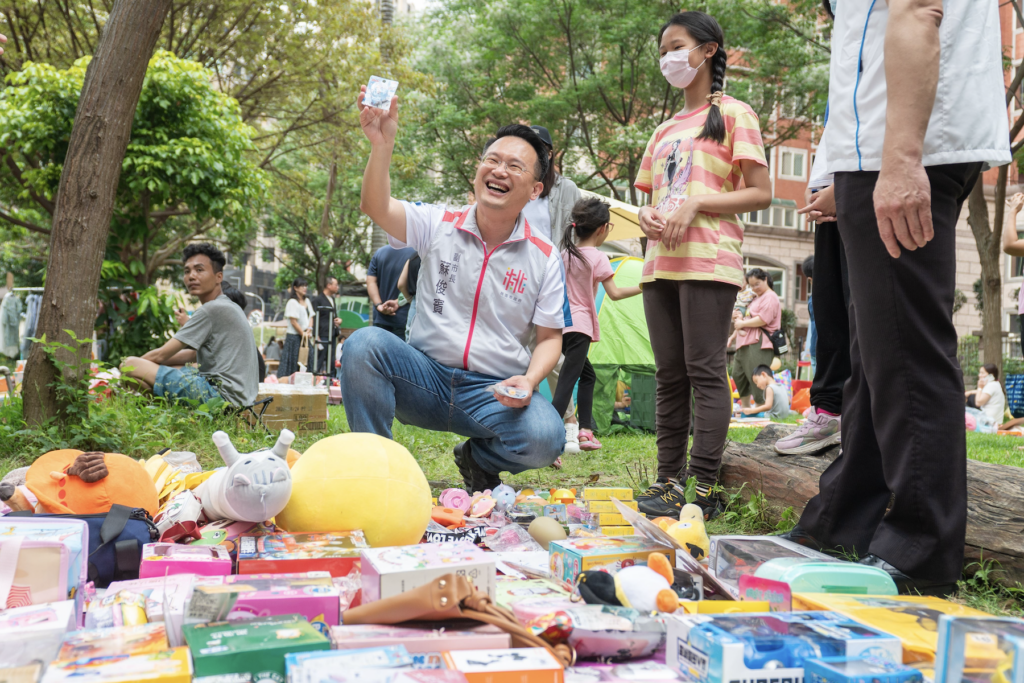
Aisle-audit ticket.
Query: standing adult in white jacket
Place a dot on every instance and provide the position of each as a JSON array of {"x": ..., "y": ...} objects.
[{"x": 917, "y": 109}]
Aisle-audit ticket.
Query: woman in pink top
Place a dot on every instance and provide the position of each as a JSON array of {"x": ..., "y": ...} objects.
[
  {"x": 585, "y": 267},
  {"x": 753, "y": 347}
]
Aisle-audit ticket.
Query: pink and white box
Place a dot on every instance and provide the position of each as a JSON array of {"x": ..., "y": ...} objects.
[
  {"x": 164, "y": 559},
  {"x": 391, "y": 571}
]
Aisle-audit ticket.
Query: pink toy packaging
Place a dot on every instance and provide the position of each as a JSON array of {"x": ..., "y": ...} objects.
[
  {"x": 284, "y": 553},
  {"x": 240, "y": 598},
  {"x": 420, "y": 640},
  {"x": 390, "y": 571},
  {"x": 165, "y": 559}
]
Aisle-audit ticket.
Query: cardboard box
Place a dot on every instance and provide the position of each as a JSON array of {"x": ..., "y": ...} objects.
[
  {"x": 420, "y": 640},
  {"x": 570, "y": 557},
  {"x": 858, "y": 670},
  {"x": 21, "y": 674},
  {"x": 166, "y": 598},
  {"x": 515, "y": 665},
  {"x": 390, "y": 571},
  {"x": 168, "y": 666},
  {"x": 226, "y": 678},
  {"x": 594, "y": 506},
  {"x": 34, "y": 633},
  {"x": 164, "y": 559},
  {"x": 969, "y": 646},
  {"x": 284, "y": 553},
  {"x": 608, "y": 519},
  {"x": 317, "y": 671},
  {"x": 606, "y": 493},
  {"x": 256, "y": 647},
  {"x": 300, "y": 664},
  {"x": 767, "y": 646},
  {"x": 626, "y": 530},
  {"x": 110, "y": 642},
  {"x": 512, "y": 590},
  {"x": 302, "y": 409},
  {"x": 239, "y": 598}
]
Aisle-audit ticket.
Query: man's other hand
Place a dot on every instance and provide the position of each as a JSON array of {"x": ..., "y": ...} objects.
[
  {"x": 389, "y": 307},
  {"x": 337, "y": 322},
  {"x": 519, "y": 382},
  {"x": 903, "y": 206},
  {"x": 181, "y": 315}
]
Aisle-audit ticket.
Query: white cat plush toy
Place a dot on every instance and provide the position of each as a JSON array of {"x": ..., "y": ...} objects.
[{"x": 254, "y": 487}]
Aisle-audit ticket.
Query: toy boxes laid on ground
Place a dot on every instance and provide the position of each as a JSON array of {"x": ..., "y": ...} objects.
[
  {"x": 166, "y": 598},
  {"x": 738, "y": 647},
  {"x": 34, "y": 633},
  {"x": 435, "y": 639},
  {"x": 284, "y": 553},
  {"x": 858, "y": 670},
  {"x": 302, "y": 409},
  {"x": 606, "y": 493},
  {"x": 980, "y": 649},
  {"x": 168, "y": 666},
  {"x": 163, "y": 559},
  {"x": 390, "y": 571},
  {"x": 256, "y": 647},
  {"x": 239, "y": 598},
  {"x": 515, "y": 665},
  {"x": 112, "y": 642},
  {"x": 570, "y": 557}
]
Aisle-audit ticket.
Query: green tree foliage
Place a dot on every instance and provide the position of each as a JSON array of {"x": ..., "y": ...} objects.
[
  {"x": 187, "y": 171},
  {"x": 589, "y": 72}
]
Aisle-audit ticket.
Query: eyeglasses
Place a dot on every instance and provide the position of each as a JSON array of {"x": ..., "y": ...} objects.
[{"x": 513, "y": 167}]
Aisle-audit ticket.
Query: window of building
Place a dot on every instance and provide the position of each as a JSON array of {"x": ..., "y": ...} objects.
[
  {"x": 777, "y": 272},
  {"x": 803, "y": 285},
  {"x": 792, "y": 164},
  {"x": 776, "y": 217}
]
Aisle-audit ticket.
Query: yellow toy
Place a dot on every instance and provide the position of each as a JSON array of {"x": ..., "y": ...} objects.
[
  {"x": 359, "y": 481},
  {"x": 567, "y": 496},
  {"x": 689, "y": 532}
]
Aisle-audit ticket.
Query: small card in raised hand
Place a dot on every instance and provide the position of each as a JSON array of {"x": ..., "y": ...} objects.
[{"x": 379, "y": 92}]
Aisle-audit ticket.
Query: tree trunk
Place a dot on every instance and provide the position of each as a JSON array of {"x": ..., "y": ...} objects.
[
  {"x": 988, "y": 244},
  {"x": 85, "y": 197}
]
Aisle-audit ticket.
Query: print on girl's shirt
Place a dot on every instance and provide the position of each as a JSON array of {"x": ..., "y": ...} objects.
[{"x": 678, "y": 181}]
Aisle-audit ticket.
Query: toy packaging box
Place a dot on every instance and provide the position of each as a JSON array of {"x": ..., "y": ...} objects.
[
  {"x": 390, "y": 571},
  {"x": 511, "y": 591},
  {"x": 167, "y": 666},
  {"x": 570, "y": 557},
  {"x": 166, "y": 598},
  {"x": 980, "y": 649},
  {"x": 515, "y": 665},
  {"x": 606, "y": 493},
  {"x": 256, "y": 647},
  {"x": 858, "y": 670},
  {"x": 238, "y": 598},
  {"x": 21, "y": 674},
  {"x": 224, "y": 678},
  {"x": 730, "y": 647},
  {"x": 164, "y": 559},
  {"x": 912, "y": 618},
  {"x": 284, "y": 553},
  {"x": 596, "y": 506},
  {"x": 34, "y": 633},
  {"x": 314, "y": 671},
  {"x": 388, "y": 657},
  {"x": 111, "y": 642},
  {"x": 418, "y": 640},
  {"x": 730, "y": 557}
]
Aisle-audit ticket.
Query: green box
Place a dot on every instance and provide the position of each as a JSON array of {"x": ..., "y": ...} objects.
[{"x": 255, "y": 647}]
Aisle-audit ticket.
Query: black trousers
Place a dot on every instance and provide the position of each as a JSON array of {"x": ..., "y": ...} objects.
[
  {"x": 903, "y": 428},
  {"x": 575, "y": 346},
  {"x": 830, "y": 288}
]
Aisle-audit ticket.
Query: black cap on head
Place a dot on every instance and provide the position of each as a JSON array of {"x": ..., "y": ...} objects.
[{"x": 544, "y": 135}]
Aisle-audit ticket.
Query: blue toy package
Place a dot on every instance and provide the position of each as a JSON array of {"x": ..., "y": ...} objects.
[
  {"x": 388, "y": 657},
  {"x": 858, "y": 670},
  {"x": 980, "y": 650},
  {"x": 733, "y": 647}
]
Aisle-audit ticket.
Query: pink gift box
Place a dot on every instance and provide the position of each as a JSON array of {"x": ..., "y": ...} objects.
[
  {"x": 416, "y": 640},
  {"x": 164, "y": 559}
]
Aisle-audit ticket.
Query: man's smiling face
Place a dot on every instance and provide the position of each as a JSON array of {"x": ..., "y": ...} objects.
[{"x": 506, "y": 178}]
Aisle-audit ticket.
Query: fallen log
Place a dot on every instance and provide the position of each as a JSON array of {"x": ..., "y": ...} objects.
[{"x": 995, "y": 495}]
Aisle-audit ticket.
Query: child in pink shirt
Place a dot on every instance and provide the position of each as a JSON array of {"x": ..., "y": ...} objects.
[{"x": 585, "y": 267}]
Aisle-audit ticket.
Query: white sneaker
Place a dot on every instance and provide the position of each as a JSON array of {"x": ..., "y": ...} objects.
[{"x": 572, "y": 438}]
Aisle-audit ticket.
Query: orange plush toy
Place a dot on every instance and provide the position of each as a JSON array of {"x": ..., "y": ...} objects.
[{"x": 73, "y": 482}]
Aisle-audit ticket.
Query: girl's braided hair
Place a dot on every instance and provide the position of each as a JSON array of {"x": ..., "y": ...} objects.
[{"x": 705, "y": 29}]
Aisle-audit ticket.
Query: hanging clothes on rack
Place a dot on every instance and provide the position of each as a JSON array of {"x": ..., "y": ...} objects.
[
  {"x": 32, "y": 304},
  {"x": 10, "y": 320}
]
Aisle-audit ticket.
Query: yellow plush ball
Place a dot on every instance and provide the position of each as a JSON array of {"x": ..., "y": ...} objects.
[{"x": 359, "y": 481}]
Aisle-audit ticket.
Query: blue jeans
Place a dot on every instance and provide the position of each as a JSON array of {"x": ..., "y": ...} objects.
[
  {"x": 175, "y": 383},
  {"x": 383, "y": 378}
]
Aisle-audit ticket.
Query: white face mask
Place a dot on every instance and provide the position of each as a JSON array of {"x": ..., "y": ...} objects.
[{"x": 675, "y": 66}]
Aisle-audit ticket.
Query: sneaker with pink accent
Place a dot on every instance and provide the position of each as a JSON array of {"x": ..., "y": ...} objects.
[
  {"x": 588, "y": 441},
  {"x": 818, "y": 432}
]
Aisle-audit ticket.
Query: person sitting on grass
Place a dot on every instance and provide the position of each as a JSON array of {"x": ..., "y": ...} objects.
[
  {"x": 776, "y": 400},
  {"x": 217, "y": 335}
]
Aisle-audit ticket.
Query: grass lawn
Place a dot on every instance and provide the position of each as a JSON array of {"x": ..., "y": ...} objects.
[{"x": 129, "y": 425}]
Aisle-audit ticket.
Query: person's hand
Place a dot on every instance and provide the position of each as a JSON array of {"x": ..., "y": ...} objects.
[
  {"x": 181, "y": 315},
  {"x": 337, "y": 322},
  {"x": 3, "y": 39},
  {"x": 903, "y": 206},
  {"x": 1015, "y": 203},
  {"x": 678, "y": 221},
  {"x": 389, "y": 307},
  {"x": 821, "y": 207},
  {"x": 652, "y": 223},
  {"x": 736, "y": 315},
  {"x": 379, "y": 126},
  {"x": 519, "y": 382}
]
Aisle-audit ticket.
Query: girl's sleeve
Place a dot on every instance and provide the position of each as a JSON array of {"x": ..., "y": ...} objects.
[
  {"x": 746, "y": 136},
  {"x": 645, "y": 176},
  {"x": 603, "y": 268}
]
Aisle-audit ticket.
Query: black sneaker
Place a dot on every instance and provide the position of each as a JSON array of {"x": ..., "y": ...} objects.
[
  {"x": 668, "y": 504},
  {"x": 709, "y": 501},
  {"x": 475, "y": 478},
  {"x": 655, "y": 490}
]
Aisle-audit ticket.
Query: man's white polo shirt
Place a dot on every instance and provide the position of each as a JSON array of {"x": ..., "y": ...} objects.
[{"x": 475, "y": 309}]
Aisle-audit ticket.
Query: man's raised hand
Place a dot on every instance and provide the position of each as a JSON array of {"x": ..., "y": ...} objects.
[{"x": 380, "y": 126}]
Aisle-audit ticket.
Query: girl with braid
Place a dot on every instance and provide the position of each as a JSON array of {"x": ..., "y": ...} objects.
[{"x": 693, "y": 265}]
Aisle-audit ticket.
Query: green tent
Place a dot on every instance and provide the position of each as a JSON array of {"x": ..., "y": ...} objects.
[{"x": 625, "y": 343}]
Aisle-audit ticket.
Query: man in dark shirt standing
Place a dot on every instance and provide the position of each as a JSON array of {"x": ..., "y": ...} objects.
[
  {"x": 382, "y": 286},
  {"x": 327, "y": 326}
]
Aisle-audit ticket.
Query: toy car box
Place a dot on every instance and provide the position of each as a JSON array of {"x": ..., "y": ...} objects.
[
  {"x": 256, "y": 647},
  {"x": 980, "y": 648},
  {"x": 515, "y": 665},
  {"x": 570, "y": 557},
  {"x": 391, "y": 571},
  {"x": 858, "y": 670},
  {"x": 735, "y": 647},
  {"x": 284, "y": 553},
  {"x": 164, "y": 559},
  {"x": 167, "y": 666},
  {"x": 239, "y": 598}
]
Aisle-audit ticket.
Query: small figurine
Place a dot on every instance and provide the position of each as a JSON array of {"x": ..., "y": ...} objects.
[
  {"x": 253, "y": 487},
  {"x": 689, "y": 532},
  {"x": 505, "y": 496}
]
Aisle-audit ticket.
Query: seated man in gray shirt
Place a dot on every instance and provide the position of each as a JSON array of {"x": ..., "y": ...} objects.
[{"x": 217, "y": 335}]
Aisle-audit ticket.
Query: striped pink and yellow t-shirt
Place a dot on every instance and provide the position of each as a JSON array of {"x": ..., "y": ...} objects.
[{"x": 677, "y": 164}]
